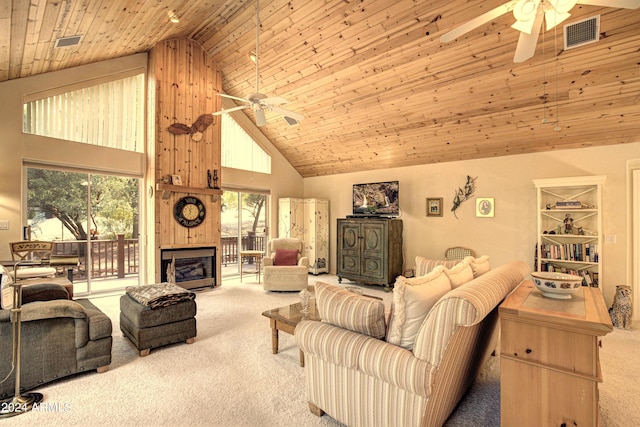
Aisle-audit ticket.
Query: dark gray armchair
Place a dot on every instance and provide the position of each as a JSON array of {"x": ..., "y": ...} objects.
[{"x": 60, "y": 337}]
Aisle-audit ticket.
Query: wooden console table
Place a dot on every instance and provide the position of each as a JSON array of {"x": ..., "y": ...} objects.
[{"x": 549, "y": 358}]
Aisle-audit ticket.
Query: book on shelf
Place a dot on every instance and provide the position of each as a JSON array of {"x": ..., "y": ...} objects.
[
  {"x": 568, "y": 204},
  {"x": 582, "y": 252}
]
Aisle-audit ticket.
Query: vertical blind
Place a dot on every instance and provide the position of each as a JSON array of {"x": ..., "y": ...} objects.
[
  {"x": 110, "y": 114},
  {"x": 240, "y": 150}
]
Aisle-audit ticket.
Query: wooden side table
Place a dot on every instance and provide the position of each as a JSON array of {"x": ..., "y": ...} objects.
[
  {"x": 257, "y": 255},
  {"x": 549, "y": 359}
]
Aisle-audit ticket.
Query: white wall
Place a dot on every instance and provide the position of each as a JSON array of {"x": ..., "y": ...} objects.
[{"x": 511, "y": 234}]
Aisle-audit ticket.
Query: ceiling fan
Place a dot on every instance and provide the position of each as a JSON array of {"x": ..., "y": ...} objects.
[
  {"x": 257, "y": 101},
  {"x": 529, "y": 16}
]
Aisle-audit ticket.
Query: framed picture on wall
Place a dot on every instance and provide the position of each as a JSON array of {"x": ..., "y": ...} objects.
[
  {"x": 485, "y": 207},
  {"x": 434, "y": 206},
  {"x": 176, "y": 179}
]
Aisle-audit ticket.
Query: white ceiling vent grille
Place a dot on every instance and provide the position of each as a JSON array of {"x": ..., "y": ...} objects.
[
  {"x": 582, "y": 32},
  {"x": 68, "y": 41}
]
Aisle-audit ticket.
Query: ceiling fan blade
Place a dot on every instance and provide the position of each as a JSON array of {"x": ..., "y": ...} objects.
[
  {"x": 233, "y": 97},
  {"x": 478, "y": 21},
  {"x": 291, "y": 121},
  {"x": 229, "y": 110},
  {"x": 287, "y": 113},
  {"x": 622, "y": 4},
  {"x": 275, "y": 100},
  {"x": 527, "y": 42},
  {"x": 261, "y": 120}
]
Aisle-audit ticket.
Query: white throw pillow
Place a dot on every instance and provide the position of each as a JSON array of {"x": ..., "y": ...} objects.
[
  {"x": 479, "y": 265},
  {"x": 460, "y": 274},
  {"x": 412, "y": 300}
]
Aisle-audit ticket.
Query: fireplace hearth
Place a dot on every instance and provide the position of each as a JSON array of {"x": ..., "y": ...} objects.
[{"x": 189, "y": 267}]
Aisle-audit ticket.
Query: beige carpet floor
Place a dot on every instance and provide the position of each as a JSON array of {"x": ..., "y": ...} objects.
[{"x": 229, "y": 377}]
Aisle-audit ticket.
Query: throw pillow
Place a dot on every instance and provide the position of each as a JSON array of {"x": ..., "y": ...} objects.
[
  {"x": 479, "y": 265},
  {"x": 285, "y": 257},
  {"x": 350, "y": 311},
  {"x": 460, "y": 274},
  {"x": 43, "y": 292},
  {"x": 412, "y": 301}
]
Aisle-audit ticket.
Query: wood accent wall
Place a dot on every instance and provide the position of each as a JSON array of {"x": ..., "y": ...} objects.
[{"x": 187, "y": 82}]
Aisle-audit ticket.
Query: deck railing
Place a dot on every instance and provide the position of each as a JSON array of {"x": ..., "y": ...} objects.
[
  {"x": 229, "y": 249},
  {"x": 109, "y": 258},
  {"x": 119, "y": 257}
]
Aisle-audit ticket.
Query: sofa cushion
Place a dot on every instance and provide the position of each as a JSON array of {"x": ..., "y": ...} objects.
[
  {"x": 412, "y": 300},
  {"x": 479, "y": 265},
  {"x": 459, "y": 274},
  {"x": 350, "y": 311},
  {"x": 425, "y": 265},
  {"x": 285, "y": 257}
]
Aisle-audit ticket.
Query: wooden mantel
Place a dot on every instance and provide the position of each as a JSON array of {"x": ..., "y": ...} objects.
[
  {"x": 185, "y": 84},
  {"x": 168, "y": 189}
]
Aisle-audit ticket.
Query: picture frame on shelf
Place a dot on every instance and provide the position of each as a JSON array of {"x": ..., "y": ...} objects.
[
  {"x": 434, "y": 206},
  {"x": 176, "y": 180},
  {"x": 485, "y": 207}
]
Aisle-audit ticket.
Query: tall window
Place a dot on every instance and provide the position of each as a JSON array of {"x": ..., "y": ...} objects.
[
  {"x": 109, "y": 114},
  {"x": 240, "y": 150}
]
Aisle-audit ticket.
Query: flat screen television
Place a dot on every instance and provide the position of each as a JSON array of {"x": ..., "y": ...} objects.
[{"x": 376, "y": 199}]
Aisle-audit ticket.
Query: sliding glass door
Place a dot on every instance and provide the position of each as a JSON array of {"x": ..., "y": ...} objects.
[
  {"x": 244, "y": 227},
  {"x": 93, "y": 216}
]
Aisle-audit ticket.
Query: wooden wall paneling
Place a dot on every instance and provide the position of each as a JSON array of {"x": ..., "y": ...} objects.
[{"x": 187, "y": 80}]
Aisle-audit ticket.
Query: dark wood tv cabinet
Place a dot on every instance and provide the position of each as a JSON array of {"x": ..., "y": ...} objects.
[{"x": 369, "y": 250}]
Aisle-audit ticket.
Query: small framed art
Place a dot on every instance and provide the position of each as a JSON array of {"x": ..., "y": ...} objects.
[
  {"x": 176, "y": 179},
  {"x": 485, "y": 207},
  {"x": 434, "y": 206}
]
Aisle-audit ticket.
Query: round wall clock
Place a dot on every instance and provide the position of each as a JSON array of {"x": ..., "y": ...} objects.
[{"x": 189, "y": 211}]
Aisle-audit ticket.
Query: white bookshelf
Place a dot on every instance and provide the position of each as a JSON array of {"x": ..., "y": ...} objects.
[{"x": 569, "y": 218}]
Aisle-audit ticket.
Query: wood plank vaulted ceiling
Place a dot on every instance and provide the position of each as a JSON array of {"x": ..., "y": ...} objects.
[{"x": 377, "y": 87}]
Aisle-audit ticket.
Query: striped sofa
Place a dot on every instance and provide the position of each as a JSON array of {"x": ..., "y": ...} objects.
[{"x": 360, "y": 380}]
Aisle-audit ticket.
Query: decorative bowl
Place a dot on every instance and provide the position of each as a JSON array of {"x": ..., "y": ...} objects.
[{"x": 556, "y": 285}]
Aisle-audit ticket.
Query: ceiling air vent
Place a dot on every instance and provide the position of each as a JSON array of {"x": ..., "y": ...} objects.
[
  {"x": 68, "y": 41},
  {"x": 582, "y": 32}
]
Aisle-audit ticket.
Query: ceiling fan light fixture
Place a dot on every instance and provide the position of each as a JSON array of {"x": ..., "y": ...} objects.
[
  {"x": 261, "y": 119},
  {"x": 526, "y": 10}
]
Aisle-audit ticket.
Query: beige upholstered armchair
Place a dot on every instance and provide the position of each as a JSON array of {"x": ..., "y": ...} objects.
[
  {"x": 285, "y": 268},
  {"x": 362, "y": 379}
]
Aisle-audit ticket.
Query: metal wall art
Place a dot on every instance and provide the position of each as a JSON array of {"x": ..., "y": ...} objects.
[{"x": 463, "y": 193}]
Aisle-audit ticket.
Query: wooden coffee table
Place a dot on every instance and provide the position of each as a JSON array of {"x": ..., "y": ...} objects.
[{"x": 285, "y": 319}]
